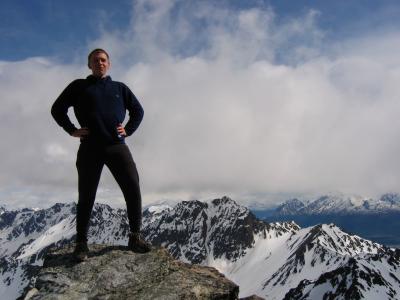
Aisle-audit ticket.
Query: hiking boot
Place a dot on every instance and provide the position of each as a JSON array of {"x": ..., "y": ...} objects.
[
  {"x": 81, "y": 251},
  {"x": 137, "y": 244}
]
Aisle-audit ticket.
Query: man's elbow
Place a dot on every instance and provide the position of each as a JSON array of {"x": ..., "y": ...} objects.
[
  {"x": 141, "y": 114},
  {"x": 138, "y": 114},
  {"x": 53, "y": 111},
  {"x": 56, "y": 112}
]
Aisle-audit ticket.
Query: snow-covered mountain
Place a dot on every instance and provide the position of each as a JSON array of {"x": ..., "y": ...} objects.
[
  {"x": 273, "y": 260},
  {"x": 340, "y": 204},
  {"x": 200, "y": 232},
  {"x": 276, "y": 260}
]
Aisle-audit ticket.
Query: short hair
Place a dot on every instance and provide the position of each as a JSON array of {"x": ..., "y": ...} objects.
[{"x": 95, "y": 51}]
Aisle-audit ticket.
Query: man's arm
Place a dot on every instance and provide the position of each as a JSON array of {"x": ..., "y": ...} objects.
[
  {"x": 59, "y": 110},
  {"x": 135, "y": 111}
]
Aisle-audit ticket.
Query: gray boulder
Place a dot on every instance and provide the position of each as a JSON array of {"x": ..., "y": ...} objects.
[{"x": 113, "y": 272}]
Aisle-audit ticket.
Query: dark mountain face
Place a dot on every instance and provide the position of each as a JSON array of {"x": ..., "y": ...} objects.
[
  {"x": 220, "y": 227},
  {"x": 7, "y": 218}
]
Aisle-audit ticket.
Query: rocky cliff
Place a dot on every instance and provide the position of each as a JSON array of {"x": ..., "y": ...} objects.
[{"x": 112, "y": 272}]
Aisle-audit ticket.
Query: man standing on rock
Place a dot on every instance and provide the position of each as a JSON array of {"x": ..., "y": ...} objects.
[{"x": 100, "y": 105}]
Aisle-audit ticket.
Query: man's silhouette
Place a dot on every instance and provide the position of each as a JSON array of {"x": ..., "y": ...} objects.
[{"x": 100, "y": 105}]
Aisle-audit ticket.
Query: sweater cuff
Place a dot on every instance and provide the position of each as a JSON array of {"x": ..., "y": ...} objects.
[
  {"x": 70, "y": 129},
  {"x": 129, "y": 131}
]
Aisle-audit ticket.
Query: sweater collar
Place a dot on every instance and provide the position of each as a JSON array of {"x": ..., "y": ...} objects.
[{"x": 97, "y": 79}]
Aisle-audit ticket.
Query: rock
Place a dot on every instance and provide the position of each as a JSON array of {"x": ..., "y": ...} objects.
[{"x": 113, "y": 272}]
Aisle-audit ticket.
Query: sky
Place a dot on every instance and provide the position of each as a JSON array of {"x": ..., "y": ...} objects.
[{"x": 257, "y": 100}]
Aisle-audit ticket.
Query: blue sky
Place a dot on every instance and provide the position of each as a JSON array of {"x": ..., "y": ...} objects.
[
  {"x": 59, "y": 28},
  {"x": 257, "y": 100},
  {"x": 44, "y": 28}
]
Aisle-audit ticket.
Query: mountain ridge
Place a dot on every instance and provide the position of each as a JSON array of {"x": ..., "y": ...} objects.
[{"x": 340, "y": 204}]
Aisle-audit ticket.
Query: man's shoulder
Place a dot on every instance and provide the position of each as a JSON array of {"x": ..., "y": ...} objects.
[
  {"x": 120, "y": 84},
  {"x": 78, "y": 83}
]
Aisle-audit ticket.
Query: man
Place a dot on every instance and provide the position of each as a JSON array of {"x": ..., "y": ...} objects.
[{"x": 100, "y": 106}]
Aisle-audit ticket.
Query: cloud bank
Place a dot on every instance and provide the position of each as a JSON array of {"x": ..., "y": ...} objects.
[{"x": 235, "y": 104}]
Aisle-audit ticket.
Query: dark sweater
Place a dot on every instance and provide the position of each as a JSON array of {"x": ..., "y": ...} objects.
[{"x": 99, "y": 104}]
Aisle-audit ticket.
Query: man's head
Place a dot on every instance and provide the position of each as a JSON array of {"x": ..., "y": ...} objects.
[{"x": 99, "y": 62}]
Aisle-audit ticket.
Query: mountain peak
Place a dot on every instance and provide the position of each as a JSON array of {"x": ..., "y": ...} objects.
[
  {"x": 291, "y": 206},
  {"x": 332, "y": 238},
  {"x": 221, "y": 226}
]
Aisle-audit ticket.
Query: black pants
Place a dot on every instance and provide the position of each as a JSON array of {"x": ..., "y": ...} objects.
[{"x": 90, "y": 162}]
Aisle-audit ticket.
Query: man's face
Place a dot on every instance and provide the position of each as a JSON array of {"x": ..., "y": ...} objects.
[{"x": 99, "y": 64}]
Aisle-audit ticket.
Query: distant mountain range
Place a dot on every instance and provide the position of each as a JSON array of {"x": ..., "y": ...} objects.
[
  {"x": 272, "y": 260},
  {"x": 341, "y": 204},
  {"x": 375, "y": 219}
]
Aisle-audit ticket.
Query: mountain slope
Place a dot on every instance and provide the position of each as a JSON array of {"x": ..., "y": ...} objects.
[{"x": 369, "y": 278}]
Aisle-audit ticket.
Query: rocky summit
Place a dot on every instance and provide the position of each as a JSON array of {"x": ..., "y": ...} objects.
[{"x": 113, "y": 272}]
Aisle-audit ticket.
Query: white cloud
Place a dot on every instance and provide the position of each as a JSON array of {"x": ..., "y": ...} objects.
[{"x": 234, "y": 104}]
